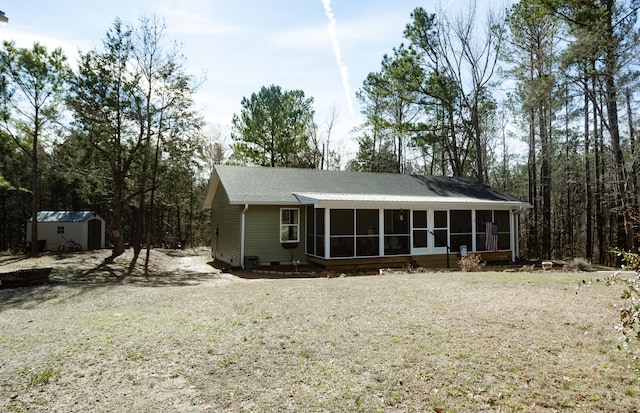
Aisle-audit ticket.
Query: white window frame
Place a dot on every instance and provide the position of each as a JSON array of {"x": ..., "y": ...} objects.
[{"x": 296, "y": 225}]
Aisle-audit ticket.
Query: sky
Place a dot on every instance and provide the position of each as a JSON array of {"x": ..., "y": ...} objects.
[{"x": 325, "y": 48}]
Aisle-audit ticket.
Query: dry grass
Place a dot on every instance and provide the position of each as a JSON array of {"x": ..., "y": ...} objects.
[{"x": 182, "y": 341}]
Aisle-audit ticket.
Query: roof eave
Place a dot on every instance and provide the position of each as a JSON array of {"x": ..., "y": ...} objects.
[
  {"x": 266, "y": 203},
  {"x": 341, "y": 203}
]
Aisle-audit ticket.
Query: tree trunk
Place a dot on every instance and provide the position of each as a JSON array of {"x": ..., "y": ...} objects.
[
  {"x": 545, "y": 182},
  {"x": 600, "y": 179},
  {"x": 611, "y": 69},
  {"x": 154, "y": 178},
  {"x": 34, "y": 187},
  {"x": 179, "y": 224},
  {"x": 140, "y": 217},
  {"x": 568, "y": 240},
  {"x": 587, "y": 179},
  {"x": 634, "y": 161},
  {"x": 477, "y": 139},
  {"x": 533, "y": 245},
  {"x": 116, "y": 222}
]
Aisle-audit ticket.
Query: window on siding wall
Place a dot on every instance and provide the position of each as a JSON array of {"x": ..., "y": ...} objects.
[{"x": 289, "y": 225}]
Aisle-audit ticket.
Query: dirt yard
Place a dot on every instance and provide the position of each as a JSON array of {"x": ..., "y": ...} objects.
[{"x": 185, "y": 337}]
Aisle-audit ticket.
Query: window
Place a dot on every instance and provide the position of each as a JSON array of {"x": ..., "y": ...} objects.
[
  {"x": 289, "y": 225},
  {"x": 60, "y": 230}
]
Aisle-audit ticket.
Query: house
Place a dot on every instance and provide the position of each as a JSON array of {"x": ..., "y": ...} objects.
[
  {"x": 86, "y": 228},
  {"x": 263, "y": 216}
]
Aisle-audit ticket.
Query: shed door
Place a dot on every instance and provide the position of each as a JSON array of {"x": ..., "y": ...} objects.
[{"x": 94, "y": 237}]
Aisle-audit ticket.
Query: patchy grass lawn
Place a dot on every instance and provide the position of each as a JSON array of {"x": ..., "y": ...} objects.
[{"x": 443, "y": 342}]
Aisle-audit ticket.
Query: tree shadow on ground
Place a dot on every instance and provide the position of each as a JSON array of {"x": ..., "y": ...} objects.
[
  {"x": 12, "y": 259},
  {"x": 66, "y": 283}
]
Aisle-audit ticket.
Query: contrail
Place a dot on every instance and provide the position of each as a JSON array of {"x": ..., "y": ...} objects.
[
  {"x": 448, "y": 4},
  {"x": 344, "y": 72}
]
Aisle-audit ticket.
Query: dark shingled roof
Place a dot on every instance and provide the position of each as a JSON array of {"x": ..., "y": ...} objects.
[{"x": 259, "y": 185}]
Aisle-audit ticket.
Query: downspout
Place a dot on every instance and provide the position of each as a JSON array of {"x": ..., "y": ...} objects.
[{"x": 242, "y": 226}]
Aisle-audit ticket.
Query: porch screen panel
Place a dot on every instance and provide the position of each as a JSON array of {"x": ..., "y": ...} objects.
[
  {"x": 482, "y": 218},
  {"x": 502, "y": 218},
  {"x": 420, "y": 229},
  {"x": 440, "y": 232},
  {"x": 461, "y": 230},
  {"x": 396, "y": 232},
  {"x": 319, "y": 235},
  {"x": 315, "y": 231},
  {"x": 367, "y": 233},
  {"x": 310, "y": 230},
  {"x": 342, "y": 232}
]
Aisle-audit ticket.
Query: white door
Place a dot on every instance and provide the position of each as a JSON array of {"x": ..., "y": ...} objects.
[
  {"x": 440, "y": 233},
  {"x": 421, "y": 242}
]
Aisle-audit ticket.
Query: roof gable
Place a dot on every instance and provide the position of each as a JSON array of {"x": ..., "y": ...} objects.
[{"x": 260, "y": 185}]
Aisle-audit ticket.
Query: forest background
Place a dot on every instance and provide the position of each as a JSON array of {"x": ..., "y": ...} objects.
[{"x": 121, "y": 134}]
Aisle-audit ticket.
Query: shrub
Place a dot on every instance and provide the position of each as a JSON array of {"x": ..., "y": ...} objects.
[
  {"x": 470, "y": 263},
  {"x": 578, "y": 264}
]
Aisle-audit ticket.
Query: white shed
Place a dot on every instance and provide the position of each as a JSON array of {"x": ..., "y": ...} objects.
[{"x": 86, "y": 228}]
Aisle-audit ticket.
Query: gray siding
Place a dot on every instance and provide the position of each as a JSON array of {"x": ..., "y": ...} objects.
[
  {"x": 263, "y": 235},
  {"x": 225, "y": 246}
]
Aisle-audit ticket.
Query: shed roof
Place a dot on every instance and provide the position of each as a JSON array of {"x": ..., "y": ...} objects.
[
  {"x": 259, "y": 185},
  {"x": 65, "y": 216}
]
